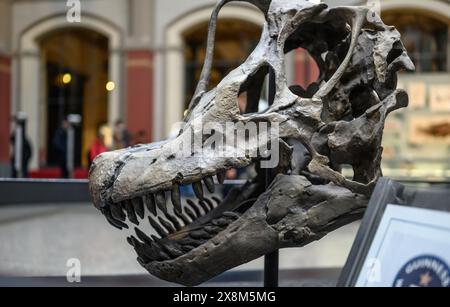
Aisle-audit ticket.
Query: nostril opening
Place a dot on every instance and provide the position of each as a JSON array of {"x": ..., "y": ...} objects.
[{"x": 171, "y": 157}]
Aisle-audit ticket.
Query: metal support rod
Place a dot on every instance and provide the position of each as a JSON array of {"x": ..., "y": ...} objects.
[
  {"x": 271, "y": 261},
  {"x": 271, "y": 267},
  {"x": 70, "y": 151},
  {"x": 18, "y": 150},
  {"x": 74, "y": 121},
  {"x": 19, "y": 144}
]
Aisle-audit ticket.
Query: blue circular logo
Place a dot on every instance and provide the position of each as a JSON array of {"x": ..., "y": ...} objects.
[{"x": 424, "y": 271}]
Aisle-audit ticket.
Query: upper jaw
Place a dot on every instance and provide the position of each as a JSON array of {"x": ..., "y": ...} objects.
[
  {"x": 127, "y": 174},
  {"x": 126, "y": 182}
]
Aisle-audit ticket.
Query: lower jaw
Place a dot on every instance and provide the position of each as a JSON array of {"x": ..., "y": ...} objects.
[
  {"x": 213, "y": 257},
  {"x": 182, "y": 235}
]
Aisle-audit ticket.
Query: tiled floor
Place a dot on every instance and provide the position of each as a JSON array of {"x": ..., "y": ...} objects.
[{"x": 38, "y": 240}]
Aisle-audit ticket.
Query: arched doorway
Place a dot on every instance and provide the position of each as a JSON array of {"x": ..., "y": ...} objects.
[
  {"x": 173, "y": 98},
  {"x": 424, "y": 36},
  {"x": 235, "y": 40},
  {"x": 74, "y": 67},
  {"x": 28, "y": 74}
]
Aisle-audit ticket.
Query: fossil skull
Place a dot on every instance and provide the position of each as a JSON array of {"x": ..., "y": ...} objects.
[{"x": 337, "y": 121}]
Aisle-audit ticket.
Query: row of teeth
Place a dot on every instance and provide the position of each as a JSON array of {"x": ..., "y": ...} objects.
[
  {"x": 134, "y": 209},
  {"x": 152, "y": 248}
]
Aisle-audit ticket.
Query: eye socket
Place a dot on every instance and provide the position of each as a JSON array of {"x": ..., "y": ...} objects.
[{"x": 317, "y": 51}]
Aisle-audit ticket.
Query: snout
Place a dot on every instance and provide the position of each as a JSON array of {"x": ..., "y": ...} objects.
[{"x": 155, "y": 169}]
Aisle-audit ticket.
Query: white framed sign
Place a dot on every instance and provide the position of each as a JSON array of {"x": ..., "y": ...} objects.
[
  {"x": 403, "y": 240},
  {"x": 411, "y": 248}
]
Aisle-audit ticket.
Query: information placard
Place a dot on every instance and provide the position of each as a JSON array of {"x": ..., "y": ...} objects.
[
  {"x": 411, "y": 248},
  {"x": 403, "y": 241}
]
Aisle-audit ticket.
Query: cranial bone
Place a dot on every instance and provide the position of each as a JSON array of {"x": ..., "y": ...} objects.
[{"x": 337, "y": 121}]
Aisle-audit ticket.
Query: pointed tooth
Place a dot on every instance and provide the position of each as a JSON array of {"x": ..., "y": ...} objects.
[
  {"x": 200, "y": 234},
  {"x": 117, "y": 224},
  {"x": 176, "y": 197},
  {"x": 187, "y": 248},
  {"x": 117, "y": 212},
  {"x": 164, "y": 256},
  {"x": 157, "y": 228},
  {"x": 221, "y": 222},
  {"x": 111, "y": 220},
  {"x": 170, "y": 247},
  {"x": 133, "y": 241},
  {"x": 232, "y": 215},
  {"x": 151, "y": 251},
  {"x": 139, "y": 248},
  {"x": 183, "y": 217},
  {"x": 216, "y": 200},
  {"x": 194, "y": 207},
  {"x": 213, "y": 229},
  {"x": 138, "y": 206},
  {"x": 198, "y": 189},
  {"x": 166, "y": 225},
  {"x": 209, "y": 182},
  {"x": 190, "y": 213},
  {"x": 142, "y": 236},
  {"x": 158, "y": 247},
  {"x": 176, "y": 223},
  {"x": 131, "y": 213},
  {"x": 130, "y": 241},
  {"x": 174, "y": 249},
  {"x": 191, "y": 241},
  {"x": 221, "y": 177},
  {"x": 160, "y": 199},
  {"x": 204, "y": 206},
  {"x": 150, "y": 204},
  {"x": 209, "y": 203}
]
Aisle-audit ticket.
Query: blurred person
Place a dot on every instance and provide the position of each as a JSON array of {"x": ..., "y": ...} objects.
[
  {"x": 27, "y": 153},
  {"x": 140, "y": 138},
  {"x": 108, "y": 136},
  {"x": 60, "y": 146},
  {"x": 121, "y": 136},
  {"x": 98, "y": 147}
]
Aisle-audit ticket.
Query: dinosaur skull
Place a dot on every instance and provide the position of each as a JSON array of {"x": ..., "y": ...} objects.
[{"x": 337, "y": 121}]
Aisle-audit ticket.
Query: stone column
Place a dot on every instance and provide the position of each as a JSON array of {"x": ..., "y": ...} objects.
[{"x": 139, "y": 70}]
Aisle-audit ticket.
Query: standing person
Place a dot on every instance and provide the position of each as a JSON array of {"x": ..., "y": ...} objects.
[
  {"x": 27, "y": 153},
  {"x": 121, "y": 135},
  {"x": 60, "y": 145},
  {"x": 97, "y": 148}
]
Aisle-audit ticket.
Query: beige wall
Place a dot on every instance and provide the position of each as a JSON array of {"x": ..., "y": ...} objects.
[
  {"x": 5, "y": 28},
  {"x": 141, "y": 19}
]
